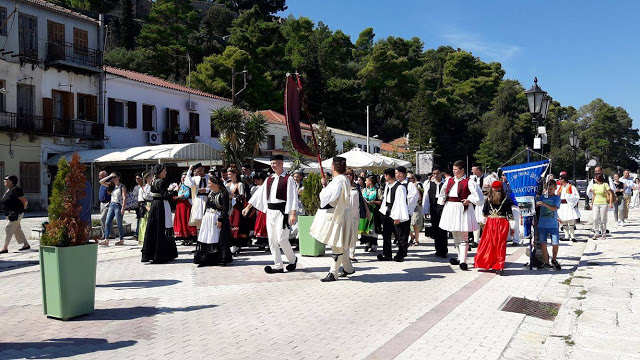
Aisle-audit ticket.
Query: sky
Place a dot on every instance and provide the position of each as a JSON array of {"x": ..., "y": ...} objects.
[{"x": 579, "y": 50}]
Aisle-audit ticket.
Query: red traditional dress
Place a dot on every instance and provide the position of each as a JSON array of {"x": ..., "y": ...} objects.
[
  {"x": 181, "y": 227},
  {"x": 492, "y": 249}
]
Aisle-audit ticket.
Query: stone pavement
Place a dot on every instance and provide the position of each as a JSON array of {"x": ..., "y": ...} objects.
[{"x": 422, "y": 308}]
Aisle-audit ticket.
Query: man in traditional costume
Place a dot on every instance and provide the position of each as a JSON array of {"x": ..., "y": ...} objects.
[
  {"x": 332, "y": 224},
  {"x": 412, "y": 201},
  {"x": 395, "y": 210},
  {"x": 279, "y": 201},
  {"x": 430, "y": 206},
  {"x": 484, "y": 183},
  {"x": 457, "y": 196},
  {"x": 197, "y": 180},
  {"x": 568, "y": 211}
]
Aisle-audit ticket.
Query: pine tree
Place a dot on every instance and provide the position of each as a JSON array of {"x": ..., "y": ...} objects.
[{"x": 127, "y": 39}]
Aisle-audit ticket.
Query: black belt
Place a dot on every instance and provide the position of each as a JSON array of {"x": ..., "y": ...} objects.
[
  {"x": 158, "y": 198},
  {"x": 280, "y": 207},
  {"x": 326, "y": 207}
]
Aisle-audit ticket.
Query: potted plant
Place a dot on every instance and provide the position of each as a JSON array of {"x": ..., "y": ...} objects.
[
  {"x": 67, "y": 261},
  {"x": 310, "y": 198}
]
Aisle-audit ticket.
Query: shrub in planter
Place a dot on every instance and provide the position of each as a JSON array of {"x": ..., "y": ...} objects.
[
  {"x": 310, "y": 198},
  {"x": 67, "y": 261}
]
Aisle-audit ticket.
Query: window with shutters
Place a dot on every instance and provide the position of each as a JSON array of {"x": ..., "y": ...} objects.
[
  {"x": 173, "y": 117},
  {"x": 30, "y": 177},
  {"x": 271, "y": 142},
  {"x": 28, "y": 36},
  {"x": 87, "y": 107},
  {"x": 80, "y": 42},
  {"x": 194, "y": 124},
  {"x": 55, "y": 40},
  {"x": 148, "y": 117},
  {"x": 63, "y": 108},
  {"x": 214, "y": 131},
  {"x": 117, "y": 112},
  {"x": 3, "y": 21}
]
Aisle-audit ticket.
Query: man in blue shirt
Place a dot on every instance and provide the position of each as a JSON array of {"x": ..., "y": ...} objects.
[
  {"x": 549, "y": 203},
  {"x": 105, "y": 199}
]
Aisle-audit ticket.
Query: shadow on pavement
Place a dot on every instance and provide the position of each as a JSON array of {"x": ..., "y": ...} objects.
[
  {"x": 51, "y": 349},
  {"x": 412, "y": 274},
  {"x": 139, "y": 284},
  {"x": 6, "y": 265},
  {"x": 135, "y": 312}
]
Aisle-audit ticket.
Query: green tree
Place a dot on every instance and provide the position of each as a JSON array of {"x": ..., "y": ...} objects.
[
  {"x": 135, "y": 60},
  {"x": 210, "y": 37},
  {"x": 326, "y": 141},
  {"x": 165, "y": 36},
  {"x": 297, "y": 159},
  {"x": 240, "y": 133},
  {"x": 255, "y": 133},
  {"x": 127, "y": 27},
  {"x": 348, "y": 145},
  {"x": 265, "y": 6}
]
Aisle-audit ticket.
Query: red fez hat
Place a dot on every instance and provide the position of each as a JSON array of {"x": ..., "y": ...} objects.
[{"x": 496, "y": 185}]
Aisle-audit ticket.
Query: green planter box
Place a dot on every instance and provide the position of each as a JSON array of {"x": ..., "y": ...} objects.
[
  {"x": 308, "y": 245},
  {"x": 68, "y": 277}
]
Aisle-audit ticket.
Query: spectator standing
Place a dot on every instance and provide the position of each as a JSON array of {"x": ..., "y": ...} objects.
[
  {"x": 635, "y": 200},
  {"x": 628, "y": 191},
  {"x": 14, "y": 203},
  {"x": 118, "y": 199},
  {"x": 135, "y": 203},
  {"x": 103, "y": 196},
  {"x": 602, "y": 197},
  {"x": 619, "y": 189},
  {"x": 548, "y": 225}
]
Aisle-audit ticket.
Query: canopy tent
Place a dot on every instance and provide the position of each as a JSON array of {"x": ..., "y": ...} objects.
[
  {"x": 391, "y": 162},
  {"x": 146, "y": 154},
  {"x": 358, "y": 159}
]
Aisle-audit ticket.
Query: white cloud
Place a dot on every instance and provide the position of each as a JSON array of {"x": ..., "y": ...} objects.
[{"x": 494, "y": 51}]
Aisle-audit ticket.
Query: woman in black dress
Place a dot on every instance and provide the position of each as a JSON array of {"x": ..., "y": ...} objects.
[
  {"x": 215, "y": 231},
  {"x": 159, "y": 245}
]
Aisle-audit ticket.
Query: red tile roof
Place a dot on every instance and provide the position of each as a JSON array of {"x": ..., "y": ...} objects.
[
  {"x": 277, "y": 118},
  {"x": 400, "y": 142},
  {"x": 390, "y": 147},
  {"x": 152, "y": 80},
  {"x": 60, "y": 9}
]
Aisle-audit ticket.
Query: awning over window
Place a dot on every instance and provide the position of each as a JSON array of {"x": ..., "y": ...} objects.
[{"x": 146, "y": 154}]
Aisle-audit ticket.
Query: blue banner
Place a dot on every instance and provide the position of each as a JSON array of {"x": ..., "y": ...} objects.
[{"x": 524, "y": 180}]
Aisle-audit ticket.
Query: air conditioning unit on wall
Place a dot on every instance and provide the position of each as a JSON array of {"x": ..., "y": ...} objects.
[
  {"x": 154, "y": 138},
  {"x": 192, "y": 105}
]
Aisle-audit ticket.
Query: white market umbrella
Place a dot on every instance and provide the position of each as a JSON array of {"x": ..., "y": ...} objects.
[
  {"x": 358, "y": 159},
  {"x": 389, "y": 161}
]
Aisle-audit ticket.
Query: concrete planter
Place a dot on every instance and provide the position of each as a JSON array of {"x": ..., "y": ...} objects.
[
  {"x": 96, "y": 232},
  {"x": 308, "y": 245},
  {"x": 68, "y": 276}
]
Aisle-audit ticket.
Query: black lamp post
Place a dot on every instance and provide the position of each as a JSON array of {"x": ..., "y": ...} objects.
[
  {"x": 539, "y": 101},
  {"x": 574, "y": 141}
]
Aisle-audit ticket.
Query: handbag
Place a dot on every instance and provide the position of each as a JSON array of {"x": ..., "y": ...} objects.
[{"x": 13, "y": 215}]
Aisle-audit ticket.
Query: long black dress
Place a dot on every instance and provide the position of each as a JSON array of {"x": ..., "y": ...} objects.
[
  {"x": 159, "y": 245},
  {"x": 213, "y": 243}
]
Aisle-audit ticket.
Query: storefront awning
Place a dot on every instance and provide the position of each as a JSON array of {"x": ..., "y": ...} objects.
[{"x": 146, "y": 154}]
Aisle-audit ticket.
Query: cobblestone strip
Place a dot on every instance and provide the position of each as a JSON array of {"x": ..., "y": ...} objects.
[{"x": 413, "y": 332}]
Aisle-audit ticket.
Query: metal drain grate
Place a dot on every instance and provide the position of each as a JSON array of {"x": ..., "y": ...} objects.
[{"x": 542, "y": 310}]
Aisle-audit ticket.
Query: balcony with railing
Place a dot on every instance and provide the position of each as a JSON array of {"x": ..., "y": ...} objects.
[
  {"x": 171, "y": 137},
  {"x": 39, "y": 125},
  {"x": 67, "y": 55}
]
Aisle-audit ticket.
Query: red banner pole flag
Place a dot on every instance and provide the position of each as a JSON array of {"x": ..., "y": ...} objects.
[{"x": 292, "y": 98}]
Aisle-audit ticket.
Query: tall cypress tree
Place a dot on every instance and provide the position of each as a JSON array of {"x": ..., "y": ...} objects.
[{"x": 126, "y": 25}]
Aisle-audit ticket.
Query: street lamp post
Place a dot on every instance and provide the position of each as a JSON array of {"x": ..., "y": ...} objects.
[
  {"x": 574, "y": 141},
  {"x": 538, "y": 101}
]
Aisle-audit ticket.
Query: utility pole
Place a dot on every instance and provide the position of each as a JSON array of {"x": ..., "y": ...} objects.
[
  {"x": 233, "y": 84},
  {"x": 367, "y": 128}
]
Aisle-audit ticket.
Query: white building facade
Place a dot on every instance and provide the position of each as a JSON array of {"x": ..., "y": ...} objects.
[
  {"x": 145, "y": 110},
  {"x": 50, "y": 71},
  {"x": 277, "y": 134}
]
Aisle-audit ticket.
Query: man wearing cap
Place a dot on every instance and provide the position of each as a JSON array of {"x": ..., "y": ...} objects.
[
  {"x": 281, "y": 200},
  {"x": 412, "y": 201},
  {"x": 395, "y": 211},
  {"x": 197, "y": 180},
  {"x": 458, "y": 216},
  {"x": 568, "y": 212},
  {"x": 332, "y": 224}
]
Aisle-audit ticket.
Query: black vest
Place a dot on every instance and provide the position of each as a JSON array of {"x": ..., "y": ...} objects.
[
  {"x": 434, "y": 190},
  {"x": 392, "y": 196}
]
